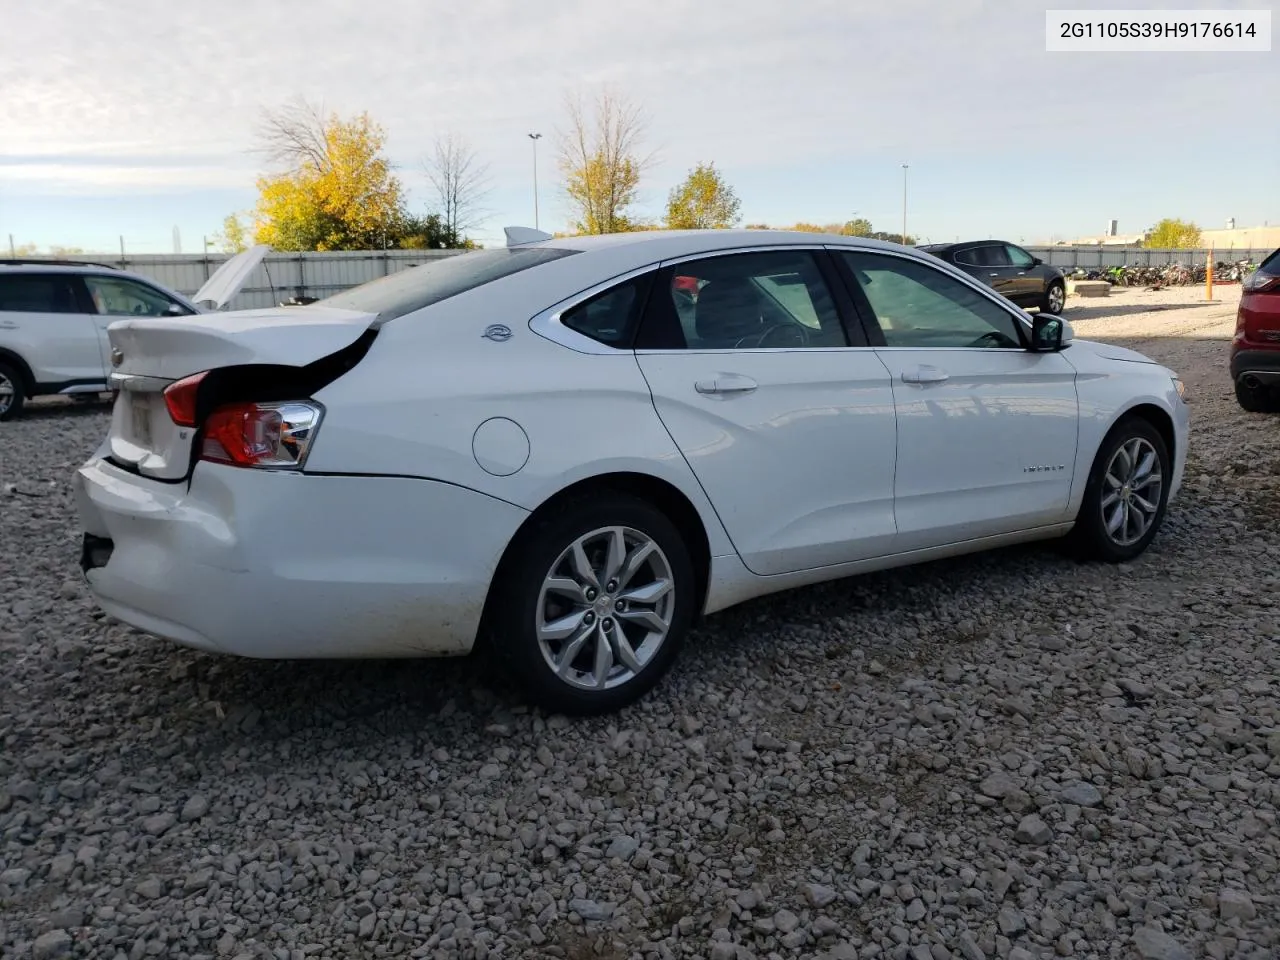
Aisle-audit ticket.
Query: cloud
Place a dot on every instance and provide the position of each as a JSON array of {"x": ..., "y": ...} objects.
[
  {"x": 97, "y": 178},
  {"x": 122, "y": 96}
]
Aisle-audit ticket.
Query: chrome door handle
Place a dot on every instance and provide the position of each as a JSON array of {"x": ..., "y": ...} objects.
[
  {"x": 925, "y": 374},
  {"x": 995, "y": 274},
  {"x": 727, "y": 383}
]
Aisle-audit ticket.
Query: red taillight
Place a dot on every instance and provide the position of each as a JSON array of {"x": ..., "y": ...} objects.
[
  {"x": 180, "y": 399},
  {"x": 260, "y": 434},
  {"x": 242, "y": 433}
]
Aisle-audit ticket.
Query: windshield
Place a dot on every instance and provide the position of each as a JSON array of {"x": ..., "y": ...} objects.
[{"x": 417, "y": 287}]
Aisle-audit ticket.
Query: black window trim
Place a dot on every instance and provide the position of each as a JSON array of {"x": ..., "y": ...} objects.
[
  {"x": 854, "y": 331},
  {"x": 83, "y": 296},
  {"x": 1022, "y": 322}
]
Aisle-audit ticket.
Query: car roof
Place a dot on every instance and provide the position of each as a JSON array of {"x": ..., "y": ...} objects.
[
  {"x": 62, "y": 266},
  {"x": 662, "y": 244},
  {"x": 71, "y": 267},
  {"x": 597, "y": 257}
]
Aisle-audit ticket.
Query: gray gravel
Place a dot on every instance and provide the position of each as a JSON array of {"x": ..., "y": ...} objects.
[{"x": 1003, "y": 756}]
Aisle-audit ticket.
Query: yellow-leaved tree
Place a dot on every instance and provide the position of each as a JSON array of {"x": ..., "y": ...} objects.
[
  {"x": 233, "y": 238},
  {"x": 704, "y": 201},
  {"x": 336, "y": 191},
  {"x": 601, "y": 162},
  {"x": 1172, "y": 234}
]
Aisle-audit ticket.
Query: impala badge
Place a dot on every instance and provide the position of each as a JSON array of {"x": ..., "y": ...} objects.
[
  {"x": 497, "y": 332},
  {"x": 117, "y": 356}
]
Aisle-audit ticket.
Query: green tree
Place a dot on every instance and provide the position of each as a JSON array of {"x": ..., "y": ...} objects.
[
  {"x": 600, "y": 162},
  {"x": 1172, "y": 234},
  {"x": 861, "y": 227},
  {"x": 704, "y": 201},
  {"x": 337, "y": 191}
]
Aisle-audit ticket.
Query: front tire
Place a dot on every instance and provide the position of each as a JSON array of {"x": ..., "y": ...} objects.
[
  {"x": 1261, "y": 399},
  {"x": 12, "y": 392},
  {"x": 1127, "y": 493},
  {"x": 592, "y": 604},
  {"x": 1055, "y": 298}
]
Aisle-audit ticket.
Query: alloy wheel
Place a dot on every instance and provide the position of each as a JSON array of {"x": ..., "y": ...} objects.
[
  {"x": 1057, "y": 297},
  {"x": 7, "y": 393},
  {"x": 605, "y": 608},
  {"x": 1132, "y": 488}
]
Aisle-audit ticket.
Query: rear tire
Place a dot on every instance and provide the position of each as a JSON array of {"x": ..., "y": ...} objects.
[
  {"x": 1055, "y": 298},
  {"x": 13, "y": 393},
  {"x": 609, "y": 569},
  {"x": 1263, "y": 399},
  {"x": 1126, "y": 496}
]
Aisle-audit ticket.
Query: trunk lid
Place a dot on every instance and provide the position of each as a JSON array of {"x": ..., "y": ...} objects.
[
  {"x": 229, "y": 278},
  {"x": 150, "y": 353}
]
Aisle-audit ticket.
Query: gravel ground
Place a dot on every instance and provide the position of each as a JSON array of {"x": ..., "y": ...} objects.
[{"x": 1010, "y": 755}]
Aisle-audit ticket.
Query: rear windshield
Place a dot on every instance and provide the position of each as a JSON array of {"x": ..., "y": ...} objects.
[{"x": 417, "y": 287}]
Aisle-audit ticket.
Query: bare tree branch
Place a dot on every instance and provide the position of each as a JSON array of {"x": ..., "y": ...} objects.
[
  {"x": 600, "y": 159},
  {"x": 461, "y": 182},
  {"x": 294, "y": 135}
]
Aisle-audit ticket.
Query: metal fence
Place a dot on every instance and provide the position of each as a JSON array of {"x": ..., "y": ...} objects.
[
  {"x": 284, "y": 275},
  {"x": 1101, "y": 257},
  {"x": 279, "y": 276}
]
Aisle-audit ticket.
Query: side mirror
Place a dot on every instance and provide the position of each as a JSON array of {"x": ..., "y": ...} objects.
[
  {"x": 1036, "y": 261},
  {"x": 1047, "y": 333},
  {"x": 175, "y": 310}
]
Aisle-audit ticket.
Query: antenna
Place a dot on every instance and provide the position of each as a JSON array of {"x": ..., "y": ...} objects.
[{"x": 518, "y": 236}]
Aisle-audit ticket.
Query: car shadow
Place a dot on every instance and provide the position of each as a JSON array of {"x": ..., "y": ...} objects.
[
  {"x": 1104, "y": 309},
  {"x": 233, "y": 706}
]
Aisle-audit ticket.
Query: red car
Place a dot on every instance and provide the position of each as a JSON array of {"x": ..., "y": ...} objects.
[{"x": 1255, "y": 350}]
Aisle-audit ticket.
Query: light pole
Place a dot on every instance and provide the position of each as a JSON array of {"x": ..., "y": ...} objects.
[
  {"x": 535, "y": 137},
  {"x": 904, "y": 204}
]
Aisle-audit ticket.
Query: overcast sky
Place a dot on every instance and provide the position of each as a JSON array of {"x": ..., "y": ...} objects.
[{"x": 133, "y": 116}]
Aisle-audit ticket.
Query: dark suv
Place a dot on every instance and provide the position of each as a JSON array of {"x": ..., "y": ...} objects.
[{"x": 1026, "y": 280}]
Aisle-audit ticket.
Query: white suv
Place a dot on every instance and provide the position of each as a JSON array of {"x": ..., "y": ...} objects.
[{"x": 54, "y": 316}]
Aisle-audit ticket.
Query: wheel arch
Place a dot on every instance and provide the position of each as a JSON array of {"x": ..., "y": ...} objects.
[
  {"x": 661, "y": 493},
  {"x": 24, "y": 371},
  {"x": 1158, "y": 417}
]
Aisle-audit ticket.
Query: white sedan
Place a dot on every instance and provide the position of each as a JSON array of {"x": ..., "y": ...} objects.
[{"x": 573, "y": 448}]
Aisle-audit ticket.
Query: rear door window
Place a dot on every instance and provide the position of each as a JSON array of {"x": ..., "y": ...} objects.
[
  {"x": 37, "y": 293},
  {"x": 743, "y": 301}
]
